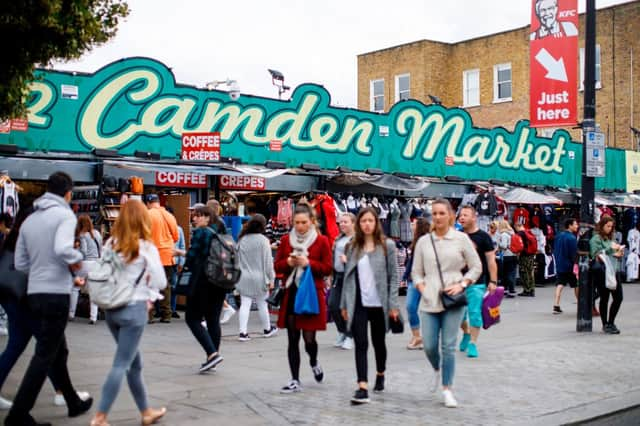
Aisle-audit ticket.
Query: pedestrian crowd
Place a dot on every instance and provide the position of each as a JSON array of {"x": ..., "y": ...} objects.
[{"x": 449, "y": 275}]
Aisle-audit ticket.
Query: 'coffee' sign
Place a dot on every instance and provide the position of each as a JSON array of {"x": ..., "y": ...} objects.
[
  {"x": 201, "y": 146},
  {"x": 181, "y": 179},
  {"x": 245, "y": 183}
]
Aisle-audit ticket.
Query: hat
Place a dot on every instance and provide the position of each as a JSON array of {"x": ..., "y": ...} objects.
[
  {"x": 196, "y": 205},
  {"x": 153, "y": 198}
]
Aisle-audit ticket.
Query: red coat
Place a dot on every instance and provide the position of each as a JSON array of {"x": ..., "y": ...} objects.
[{"x": 320, "y": 260}]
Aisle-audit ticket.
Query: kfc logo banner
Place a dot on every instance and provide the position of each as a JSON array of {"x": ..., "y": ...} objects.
[{"x": 553, "y": 50}]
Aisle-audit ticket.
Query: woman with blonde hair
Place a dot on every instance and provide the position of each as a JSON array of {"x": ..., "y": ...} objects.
[
  {"x": 90, "y": 245},
  {"x": 131, "y": 241},
  {"x": 509, "y": 259}
]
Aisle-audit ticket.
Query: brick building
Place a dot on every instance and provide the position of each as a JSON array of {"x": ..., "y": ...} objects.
[{"x": 489, "y": 75}]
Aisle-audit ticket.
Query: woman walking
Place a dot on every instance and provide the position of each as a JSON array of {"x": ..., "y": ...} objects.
[
  {"x": 302, "y": 247},
  {"x": 421, "y": 227},
  {"x": 256, "y": 264},
  {"x": 438, "y": 261},
  {"x": 509, "y": 263},
  {"x": 603, "y": 249},
  {"x": 204, "y": 300},
  {"x": 370, "y": 296},
  {"x": 131, "y": 241},
  {"x": 347, "y": 230},
  {"x": 90, "y": 246}
]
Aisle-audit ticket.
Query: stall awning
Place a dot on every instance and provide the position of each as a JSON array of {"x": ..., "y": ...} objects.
[
  {"x": 384, "y": 181},
  {"x": 212, "y": 170},
  {"x": 620, "y": 200},
  {"x": 525, "y": 196}
]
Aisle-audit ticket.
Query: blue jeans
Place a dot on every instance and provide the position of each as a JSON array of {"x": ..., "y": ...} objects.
[
  {"x": 174, "y": 284},
  {"x": 413, "y": 300},
  {"x": 126, "y": 325},
  {"x": 433, "y": 324}
]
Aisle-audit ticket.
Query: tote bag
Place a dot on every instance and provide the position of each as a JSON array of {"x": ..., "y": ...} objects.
[
  {"x": 491, "y": 307},
  {"x": 306, "y": 302}
]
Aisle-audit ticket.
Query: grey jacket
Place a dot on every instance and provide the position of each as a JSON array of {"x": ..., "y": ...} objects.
[
  {"x": 91, "y": 247},
  {"x": 385, "y": 269},
  {"x": 45, "y": 246},
  {"x": 256, "y": 264}
]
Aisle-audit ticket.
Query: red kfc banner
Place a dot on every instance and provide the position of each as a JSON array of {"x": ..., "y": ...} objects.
[
  {"x": 201, "y": 146},
  {"x": 553, "y": 51},
  {"x": 181, "y": 179},
  {"x": 246, "y": 183}
]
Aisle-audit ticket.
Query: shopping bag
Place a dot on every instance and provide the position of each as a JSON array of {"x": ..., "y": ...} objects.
[
  {"x": 306, "y": 302},
  {"x": 491, "y": 307}
]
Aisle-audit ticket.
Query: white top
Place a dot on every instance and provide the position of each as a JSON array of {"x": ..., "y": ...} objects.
[{"x": 368, "y": 292}]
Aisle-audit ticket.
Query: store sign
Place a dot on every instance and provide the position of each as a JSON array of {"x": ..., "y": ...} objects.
[
  {"x": 553, "y": 59},
  {"x": 200, "y": 146},
  {"x": 632, "y": 160},
  {"x": 275, "y": 145},
  {"x": 181, "y": 179},
  {"x": 136, "y": 105},
  {"x": 245, "y": 183}
]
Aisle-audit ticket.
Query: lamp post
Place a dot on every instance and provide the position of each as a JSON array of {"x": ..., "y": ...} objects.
[{"x": 277, "y": 79}]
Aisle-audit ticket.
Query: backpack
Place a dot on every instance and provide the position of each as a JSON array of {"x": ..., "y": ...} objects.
[
  {"x": 137, "y": 184},
  {"x": 532, "y": 243},
  {"x": 222, "y": 267},
  {"x": 516, "y": 245},
  {"x": 107, "y": 281},
  {"x": 109, "y": 183}
]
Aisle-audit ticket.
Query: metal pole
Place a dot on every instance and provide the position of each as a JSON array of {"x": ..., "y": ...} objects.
[{"x": 585, "y": 295}]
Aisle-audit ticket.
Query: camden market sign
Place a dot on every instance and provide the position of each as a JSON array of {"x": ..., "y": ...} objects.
[{"x": 135, "y": 104}]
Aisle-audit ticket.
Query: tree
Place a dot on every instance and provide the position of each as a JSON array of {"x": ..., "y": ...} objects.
[{"x": 35, "y": 32}]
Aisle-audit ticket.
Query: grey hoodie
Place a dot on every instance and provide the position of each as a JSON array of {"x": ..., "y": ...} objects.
[{"x": 45, "y": 246}]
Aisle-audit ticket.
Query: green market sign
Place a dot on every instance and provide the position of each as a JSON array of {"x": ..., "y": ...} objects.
[{"x": 135, "y": 104}]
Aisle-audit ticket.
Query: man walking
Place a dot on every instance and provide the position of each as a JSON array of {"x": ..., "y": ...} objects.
[
  {"x": 45, "y": 251},
  {"x": 565, "y": 251},
  {"x": 468, "y": 218},
  {"x": 164, "y": 233},
  {"x": 526, "y": 262}
]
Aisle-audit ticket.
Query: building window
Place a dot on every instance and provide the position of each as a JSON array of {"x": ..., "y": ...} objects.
[
  {"x": 471, "y": 87},
  {"x": 377, "y": 95},
  {"x": 502, "y": 83},
  {"x": 403, "y": 87},
  {"x": 598, "y": 81}
]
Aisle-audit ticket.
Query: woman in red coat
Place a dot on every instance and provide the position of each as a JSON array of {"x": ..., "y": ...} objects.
[{"x": 302, "y": 247}]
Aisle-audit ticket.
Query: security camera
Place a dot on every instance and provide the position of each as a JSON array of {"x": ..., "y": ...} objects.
[{"x": 234, "y": 90}]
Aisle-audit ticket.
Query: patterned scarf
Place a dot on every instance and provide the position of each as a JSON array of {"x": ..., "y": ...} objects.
[{"x": 300, "y": 244}]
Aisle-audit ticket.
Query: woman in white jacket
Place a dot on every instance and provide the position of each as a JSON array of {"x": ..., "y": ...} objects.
[{"x": 131, "y": 240}]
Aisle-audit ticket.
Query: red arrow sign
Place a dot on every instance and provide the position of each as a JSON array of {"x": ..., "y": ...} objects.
[{"x": 553, "y": 51}]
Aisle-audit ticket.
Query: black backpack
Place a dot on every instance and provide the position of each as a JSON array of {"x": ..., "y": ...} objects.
[{"x": 222, "y": 266}]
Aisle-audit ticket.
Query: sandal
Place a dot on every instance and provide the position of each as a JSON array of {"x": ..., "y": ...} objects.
[
  {"x": 97, "y": 422},
  {"x": 153, "y": 415},
  {"x": 415, "y": 344}
]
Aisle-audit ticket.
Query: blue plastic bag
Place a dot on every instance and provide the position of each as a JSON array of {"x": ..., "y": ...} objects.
[{"x": 306, "y": 302}]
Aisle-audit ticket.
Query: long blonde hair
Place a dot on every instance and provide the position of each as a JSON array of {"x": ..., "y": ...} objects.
[
  {"x": 503, "y": 226},
  {"x": 133, "y": 224}
]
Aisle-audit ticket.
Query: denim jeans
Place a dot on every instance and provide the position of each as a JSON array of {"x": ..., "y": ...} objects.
[
  {"x": 126, "y": 325},
  {"x": 174, "y": 284},
  {"x": 205, "y": 301},
  {"x": 509, "y": 269},
  {"x": 445, "y": 323},
  {"x": 413, "y": 300}
]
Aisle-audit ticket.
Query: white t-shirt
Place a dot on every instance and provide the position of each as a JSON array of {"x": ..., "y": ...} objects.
[{"x": 368, "y": 291}]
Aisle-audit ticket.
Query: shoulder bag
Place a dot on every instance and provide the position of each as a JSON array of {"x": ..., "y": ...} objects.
[
  {"x": 449, "y": 301},
  {"x": 13, "y": 283}
]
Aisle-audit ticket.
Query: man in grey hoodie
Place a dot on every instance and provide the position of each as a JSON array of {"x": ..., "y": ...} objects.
[{"x": 45, "y": 251}]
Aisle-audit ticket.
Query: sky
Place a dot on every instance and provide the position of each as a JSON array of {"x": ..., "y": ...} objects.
[{"x": 308, "y": 41}]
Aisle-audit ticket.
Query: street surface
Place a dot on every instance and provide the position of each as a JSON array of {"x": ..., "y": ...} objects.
[{"x": 533, "y": 369}]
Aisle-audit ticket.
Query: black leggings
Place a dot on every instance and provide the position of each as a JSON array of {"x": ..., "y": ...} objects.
[
  {"x": 616, "y": 295},
  {"x": 293, "y": 350},
  {"x": 334, "y": 304},
  {"x": 361, "y": 317}
]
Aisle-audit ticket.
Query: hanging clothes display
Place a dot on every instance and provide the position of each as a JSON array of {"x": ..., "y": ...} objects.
[
  {"x": 486, "y": 204},
  {"x": 521, "y": 216},
  {"x": 394, "y": 219},
  {"x": 9, "y": 201},
  {"x": 326, "y": 216},
  {"x": 285, "y": 212},
  {"x": 406, "y": 235}
]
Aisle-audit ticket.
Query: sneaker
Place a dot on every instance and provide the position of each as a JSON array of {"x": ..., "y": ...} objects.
[
  {"x": 227, "y": 313},
  {"x": 435, "y": 384},
  {"x": 210, "y": 363},
  {"x": 291, "y": 387},
  {"x": 92, "y": 322},
  {"x": 557, "y": 310},
  {"x": 510, "y": 295},
  {"x": 175, "y": 315},
  {"x": 59, "y": 401},
  {"x": 165, "y": 321},
  {"x": 318, "y": 374},
  {"x": 472, "y": 351},
  {"x": 339, "y": 340},
  {"x": 415, "y": 344},
  {"x": 464, "y": 343},
  {"x": 449, "y": 400},
  {"x": 271, "y": 332},
  {"x": 361, "y": 396},
  {"x": 204, "y": 324},
  {"x": 244, "y": 337},
  {"x": 347, "y": 344},
  {"x": 526, "y": 294},
  {"x": 379, "y": 387},
  {"x": 5, "y": 404},
  {"x": 81, "y": 408},
  {"x": 613, "y": 329}
]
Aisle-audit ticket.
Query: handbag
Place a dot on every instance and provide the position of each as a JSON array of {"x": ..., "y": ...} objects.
[
  {"x": 491, "y": 307},
  {"x": 13, "y": 283},
  {"x": 306, "y": 302},
  {"x": 108, "y": 284},
  {"x": 275, "y": 298},
  {"x": 396, "y": 324},
  {"x": 449, "y": 301}
]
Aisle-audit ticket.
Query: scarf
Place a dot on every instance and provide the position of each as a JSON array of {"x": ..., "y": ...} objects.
[{"x": 300, "y": 244}]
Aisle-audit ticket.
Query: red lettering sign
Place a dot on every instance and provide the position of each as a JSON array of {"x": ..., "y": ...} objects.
[
  {"x": 245, "y": 183},
  {"x": 181, "y": 179},
  {"x": 201, "y": 146},
  {"x": 20, "y": 124},
  {"x": 553, "y": 50},
  {"x": 275, "y": 145},
  {"x": 5, "y": 126}
]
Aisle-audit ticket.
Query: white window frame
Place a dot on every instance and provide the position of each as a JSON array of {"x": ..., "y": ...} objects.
[
  {"x": 397, "y": 86},
  {"x": 598, "y": 68},
  {"x": 496, "y": 68},
  {"x": 372, "y": 102},
  {"x": 465, "y": 90}
]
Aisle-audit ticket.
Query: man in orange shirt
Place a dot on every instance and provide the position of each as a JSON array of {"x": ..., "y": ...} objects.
[{"x": 164, "y": 233}]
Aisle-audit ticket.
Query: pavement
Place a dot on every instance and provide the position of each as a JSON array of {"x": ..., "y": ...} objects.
[{"x": 533, "y": 369}]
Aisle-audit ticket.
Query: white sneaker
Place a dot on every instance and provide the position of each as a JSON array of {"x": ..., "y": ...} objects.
[
  {"x": 435, "y": 385},
  {"x": 339, "y": 340},
  {"x": 204, "y": 324},
  {"x": 227, "y": 313},
  {"x": 347, "y": 344},
  {"x": 5, "y": 404},
  {"x": 449, "y": 400},
  {"x": 59, "y": 401}
]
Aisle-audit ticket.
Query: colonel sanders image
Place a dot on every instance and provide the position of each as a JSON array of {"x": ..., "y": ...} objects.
[{"x": 547, "y": 13}]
